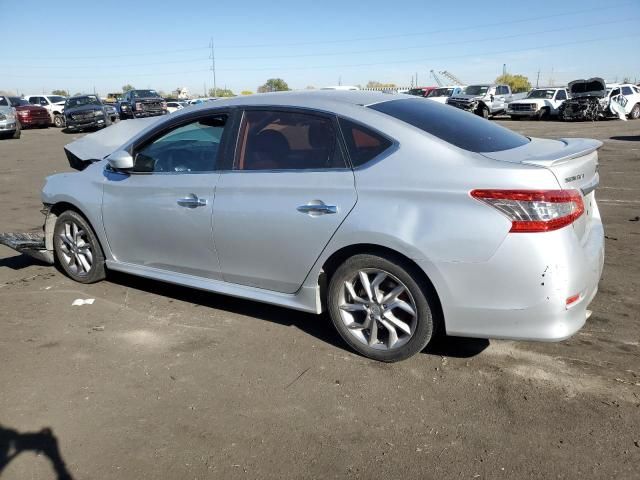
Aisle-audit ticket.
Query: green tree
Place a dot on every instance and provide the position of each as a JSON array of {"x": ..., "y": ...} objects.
[
  {"x": 274, "y": 85},
  {"x": 246, "y": 92},
  {"x": 222, "y": 92},
  {"x": 518, "y": 83},
  {"x": 128, "y": 87},
  {"x": 62, "y": 93},
  {"x": 375, "y": 84}
]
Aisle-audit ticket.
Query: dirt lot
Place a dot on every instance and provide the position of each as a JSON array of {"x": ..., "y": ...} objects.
[{"x": 156, "y": 381}]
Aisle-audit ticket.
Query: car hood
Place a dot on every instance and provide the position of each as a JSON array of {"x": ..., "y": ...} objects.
[
  {"x": 95, "y": 146},
  {"x": 83, "y": 108},
  {"x": 30, "y": 108},
  {"x": 466, "y": 97},
  {"x": 592, "y": 87}
]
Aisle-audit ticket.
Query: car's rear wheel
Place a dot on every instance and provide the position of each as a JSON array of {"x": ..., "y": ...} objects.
[
  {"x": 635, "y": 112},
  {"x": 77, "y": 248},
  {"x": 379, "y": 309}
]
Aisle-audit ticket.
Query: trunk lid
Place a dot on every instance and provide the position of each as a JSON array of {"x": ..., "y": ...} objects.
[{"x": 574, "y": 163}]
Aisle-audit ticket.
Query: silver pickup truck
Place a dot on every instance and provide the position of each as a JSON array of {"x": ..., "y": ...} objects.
[{"x": 485, "y": 100}]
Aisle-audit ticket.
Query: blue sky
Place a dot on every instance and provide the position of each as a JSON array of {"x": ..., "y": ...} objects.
[{"x": 79, "y": 45}]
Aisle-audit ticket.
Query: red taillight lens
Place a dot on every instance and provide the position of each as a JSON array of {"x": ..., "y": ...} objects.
[{"x": 534, "y": 210}]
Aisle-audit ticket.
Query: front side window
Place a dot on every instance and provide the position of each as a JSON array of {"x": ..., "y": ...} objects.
[
  {"x": 287, "y": 141},
  {"x": 561, "y": 95},
  {"x": 190, "y": 148},
  {"x": 462, "y": 129}
]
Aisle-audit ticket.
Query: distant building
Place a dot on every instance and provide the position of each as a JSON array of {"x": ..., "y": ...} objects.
[{"x": 181, "y": 93}]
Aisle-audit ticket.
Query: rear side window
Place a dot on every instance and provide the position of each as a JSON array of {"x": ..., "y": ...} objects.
[
  {"x": 4, "y": 102},
  {"x": 457, "y": 127},
  {"x": 363, "y": 143},
  {"x": 627, "y": 91}
]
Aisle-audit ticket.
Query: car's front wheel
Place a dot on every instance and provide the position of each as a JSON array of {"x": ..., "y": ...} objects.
[
  {"x": 77, "y": 248},
  {"x": 379, "y": 308},
  {"x": 58, "y": 121}
]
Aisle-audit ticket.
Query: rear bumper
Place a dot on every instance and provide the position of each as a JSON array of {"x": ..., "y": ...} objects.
[{"x": 521, "y": 292}]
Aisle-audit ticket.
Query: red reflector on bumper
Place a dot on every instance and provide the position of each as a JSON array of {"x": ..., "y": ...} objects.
[{"x": 573, "y": 299}]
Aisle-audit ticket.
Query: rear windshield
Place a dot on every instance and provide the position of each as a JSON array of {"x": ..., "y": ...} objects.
[{"x": 457, "y": 127}]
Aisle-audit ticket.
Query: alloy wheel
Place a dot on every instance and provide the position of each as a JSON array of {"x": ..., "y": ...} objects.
[
  {"x": 378, "y": 309},
  {"x": 75, "y": 248}
]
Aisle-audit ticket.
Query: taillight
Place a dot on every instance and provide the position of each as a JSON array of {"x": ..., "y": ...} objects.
[{"x": 534, "y": 210}]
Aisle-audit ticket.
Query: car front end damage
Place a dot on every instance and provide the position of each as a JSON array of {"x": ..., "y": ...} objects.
[
  {"x": 80, "y": 120},
  {"x": 467, "y": 104},
  {"x": 33, "y": 244}
]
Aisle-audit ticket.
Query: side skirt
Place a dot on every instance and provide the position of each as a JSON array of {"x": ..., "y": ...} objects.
[{"x": 307, "y": 299}]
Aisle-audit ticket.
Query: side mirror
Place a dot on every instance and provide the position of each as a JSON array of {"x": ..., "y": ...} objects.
[{"x": 120, "y": 160}]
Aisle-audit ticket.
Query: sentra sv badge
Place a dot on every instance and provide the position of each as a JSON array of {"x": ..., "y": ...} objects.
[{"x": 579, "y": 176}]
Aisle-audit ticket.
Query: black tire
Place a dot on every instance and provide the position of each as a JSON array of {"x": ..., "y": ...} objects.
[
  {"x": 403, "y": 271},
  {"x": 544, "y": 114},
  {"x": 483, "y": 111},
  {"x": 18, "y": 131},
  {"x": 67, "y": 255},
  {"x": 58, "y": 121},
  {"x": 634, "y": 114}
]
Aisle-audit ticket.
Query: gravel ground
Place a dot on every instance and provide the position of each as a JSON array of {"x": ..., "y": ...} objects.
[{"x": 157, "y": 381}]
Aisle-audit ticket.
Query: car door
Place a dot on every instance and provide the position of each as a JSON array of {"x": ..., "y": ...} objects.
[
  {"x": 558, "y": 99},
  {"x": 288, "y": 190},
  {"x": 160, "y": 214}
]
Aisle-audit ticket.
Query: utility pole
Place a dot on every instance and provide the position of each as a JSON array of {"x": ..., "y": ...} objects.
[
  {"x": 213, "y": 68},
  {"x": 504, "y": 69},
  {"x": 538, "y": 78},
  {"x": 416, "y": 79}
]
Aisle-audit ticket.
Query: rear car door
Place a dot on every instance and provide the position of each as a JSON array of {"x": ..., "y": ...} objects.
[
  {"x": 288, "y": 190},
  {"x": 160, "y": 214}
]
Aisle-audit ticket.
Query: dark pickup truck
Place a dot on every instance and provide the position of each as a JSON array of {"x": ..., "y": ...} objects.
[{"x": 141, "y": 103}]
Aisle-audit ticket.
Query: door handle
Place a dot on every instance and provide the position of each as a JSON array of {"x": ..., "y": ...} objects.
[
  {"x": 317, "y": 207},
  {"x": 192, "y": 201}
]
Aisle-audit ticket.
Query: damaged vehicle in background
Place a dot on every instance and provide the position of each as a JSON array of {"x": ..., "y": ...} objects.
[
  {"x": 485, "y": 100},
  {"x": 30, "y": 115},
  {"x": 540, "y": 103},
  {"x": 593, "y": 99},
  {"x": 85, "y": 111},
  {"x": 389, "y": 211},
  {"x": 141, "y": 104},
  {"x": 441, "y": 94},
  {"x": 54, "y": 105}
]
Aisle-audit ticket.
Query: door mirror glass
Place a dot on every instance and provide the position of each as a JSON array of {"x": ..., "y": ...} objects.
[{"x": 120, "y": 160}]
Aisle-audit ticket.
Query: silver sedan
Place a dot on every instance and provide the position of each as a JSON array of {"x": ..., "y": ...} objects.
[{"x": 400, "y": 216}]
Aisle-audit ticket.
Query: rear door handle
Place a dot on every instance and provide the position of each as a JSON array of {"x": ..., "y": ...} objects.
[
  {"x": 317, "y": 207},
  {"x": 192, "y": 201}
]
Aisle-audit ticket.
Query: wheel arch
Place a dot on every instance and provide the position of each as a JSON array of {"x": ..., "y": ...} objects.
[
  {"x": 334, "y": 260},
  {"x": 55, "y": 211}
]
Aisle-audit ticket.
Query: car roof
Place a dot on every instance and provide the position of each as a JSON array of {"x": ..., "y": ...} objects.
[{"x": 319, "y": 99}]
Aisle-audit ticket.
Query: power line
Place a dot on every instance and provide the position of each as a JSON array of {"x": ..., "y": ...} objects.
[{"x": 343, "y": 40}]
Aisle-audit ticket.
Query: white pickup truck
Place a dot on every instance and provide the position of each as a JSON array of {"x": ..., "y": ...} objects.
[
  {"x": 485, "y": 100},
  {"x": 54, "y": 105},
  {"x": 541, "y": 103}
]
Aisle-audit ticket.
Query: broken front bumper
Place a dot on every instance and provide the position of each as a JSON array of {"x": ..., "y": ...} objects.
[{"x": 32, "y": 244}]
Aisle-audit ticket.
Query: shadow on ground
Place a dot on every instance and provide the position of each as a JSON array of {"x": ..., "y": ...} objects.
[
  {"x": 318, "y": 326},
  {"x": 13, "y": 443},
  {"x": 18, "y": 262},
  {"x": 628, "y": 138}
]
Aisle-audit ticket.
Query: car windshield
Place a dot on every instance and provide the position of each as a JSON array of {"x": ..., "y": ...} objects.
[
  {"x": 56, "y": 98},
  {"x": 82, "y": 101},
  {"x": 17, "y": 101},
  {"x": 4, "y": 102},
  {"x": 440, "y": 92},
  {"x": 454, "y": 126},
  {"x": 542, "y": 94},
  {"x": 476, "y": 89},
  {"x": 145, "y": 93},
  {"x": 415, "y": 91}
]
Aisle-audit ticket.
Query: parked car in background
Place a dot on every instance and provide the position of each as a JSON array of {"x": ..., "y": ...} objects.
[
  {"x": 419, "y": 91},
  {"x": 304, "y": 223},
  {"x": 9, "y": 124},
  {"x": 541, "y": 103},
  {"x": 593, "y": 99},
  {"x": 54, "y": 105},
  {"x": 85, "y": 111},
  {"x": 174, "y": 106},
  {"x": 340, "y": 87},
  {"x": 485, "y": 100},
  {"x": 30, "y": 115},
  {"x": 140, "y": 104},
  {"x": 441, "y": 94},
  {"x": 111, "y": 111}
]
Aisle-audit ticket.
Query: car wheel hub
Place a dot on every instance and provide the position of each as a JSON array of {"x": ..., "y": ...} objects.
[
  {"x": 378, "y": 309},
  {"x": 75, "y": 249}
]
